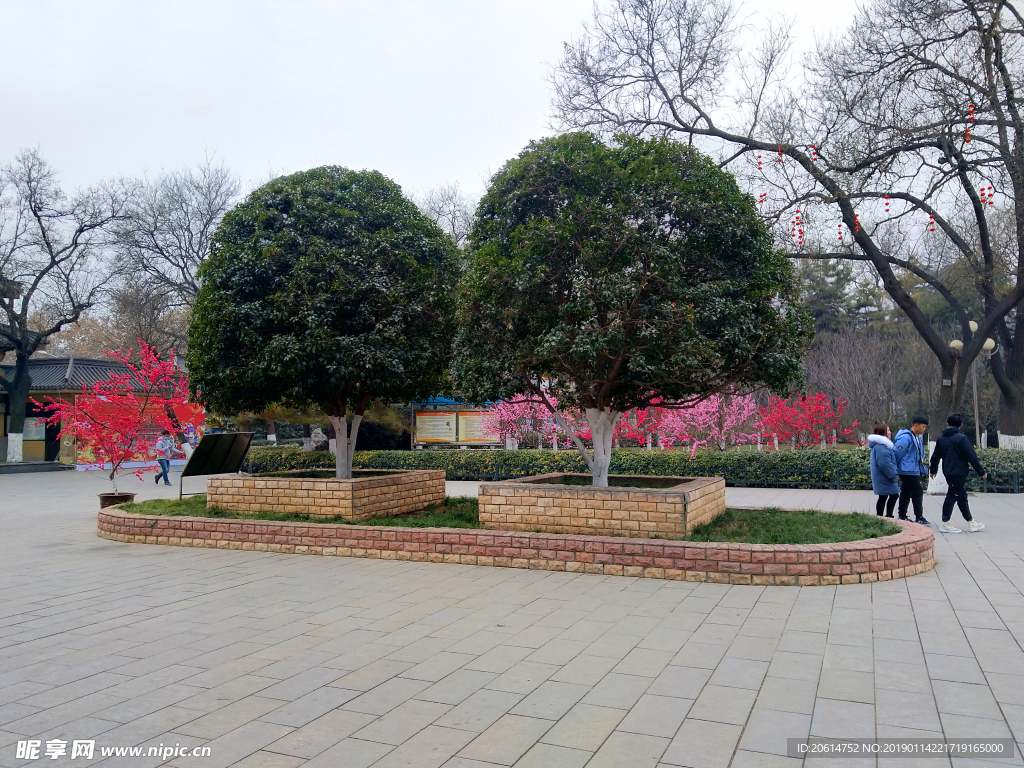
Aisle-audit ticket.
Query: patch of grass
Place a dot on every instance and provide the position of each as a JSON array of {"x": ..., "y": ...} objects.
[
  {"x": 774, "y": 526},
  {"x": 455, "y": 512},
  {"x": 764, "y": 526}
]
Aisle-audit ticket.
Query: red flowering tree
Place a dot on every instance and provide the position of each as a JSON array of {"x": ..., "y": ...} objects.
[
  {"x": 114, "y": 418},
  {"x": 805, "y": 420}
]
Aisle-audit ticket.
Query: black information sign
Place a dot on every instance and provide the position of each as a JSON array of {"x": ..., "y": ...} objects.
[{"x": 218, "y": 454}]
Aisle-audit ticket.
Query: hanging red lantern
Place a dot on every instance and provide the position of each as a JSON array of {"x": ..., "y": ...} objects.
[
  {"x": 780, "y": 153},
  {"x": 886, "y": 203},
  {"x": 814, "y": 153},
  {"x": 931, "y": 222}
]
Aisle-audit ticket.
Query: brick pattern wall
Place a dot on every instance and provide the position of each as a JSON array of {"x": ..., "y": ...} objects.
[
  {"x": 357, "y": 499},
  {"x": 891, "y": 557},
  {"x": 514, "y": 505}
]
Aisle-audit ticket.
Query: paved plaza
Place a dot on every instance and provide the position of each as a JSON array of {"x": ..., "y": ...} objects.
[{"x": 279, "y": 661}]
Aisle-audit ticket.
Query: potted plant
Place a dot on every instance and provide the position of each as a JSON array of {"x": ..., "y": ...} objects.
[{"x": 118, "y": 420}]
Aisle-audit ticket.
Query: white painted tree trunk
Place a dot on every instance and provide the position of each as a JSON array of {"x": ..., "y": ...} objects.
[
  {"x": 937, "y": 486},
  {"x": 648, "y": 442},
  {"x": 1013, "y": 442},
  {"x": 14, "y": 443},
  {"x": 602, "y": 429},
  {"x": 345, "y": 444}
]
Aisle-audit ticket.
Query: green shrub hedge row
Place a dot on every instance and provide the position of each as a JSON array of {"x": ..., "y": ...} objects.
[{"x": 844, "y": 469}]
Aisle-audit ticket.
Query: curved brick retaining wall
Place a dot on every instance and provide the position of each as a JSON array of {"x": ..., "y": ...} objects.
[{"x": 891, "y": 557}]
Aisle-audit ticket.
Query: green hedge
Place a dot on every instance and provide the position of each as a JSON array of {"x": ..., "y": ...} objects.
[{"x": 812, "y": 468}]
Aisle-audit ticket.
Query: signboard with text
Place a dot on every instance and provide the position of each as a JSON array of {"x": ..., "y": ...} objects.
[
  {"x": 435, "y": 426},
  {"x": 473, "y": 428}
]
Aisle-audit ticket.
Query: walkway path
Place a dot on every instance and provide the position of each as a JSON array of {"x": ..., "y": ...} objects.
[{"x": 279, "y": 661}]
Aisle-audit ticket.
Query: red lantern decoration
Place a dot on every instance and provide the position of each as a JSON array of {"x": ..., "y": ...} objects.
[
  {"x": 759, "y": 162},
  {"x": 856, "y": 223},
  {"x": 931, "y": 222},
  {"x": 886, "y": 203},
  {"x": 970, "y": 121},
  {"x": 780, "y": 153},
  {"x": 814, "y": 153}
]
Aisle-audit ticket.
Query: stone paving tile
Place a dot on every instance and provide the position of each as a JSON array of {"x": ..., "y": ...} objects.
[
  {"x": 228, "y": 718},
  {"x": 479, "y": 711},
  {"x": 768, "y": 729},
  {"x": 507, "y": 740},
  {"x": 585, "y": 670},
  {"x": 309, "y": 707},
  {"x": 286, "y": 660},
  {"x": 351, "y": 753},
  {"x": 723, "y": 705},
  {"x": 847, "y": 685},
  {"x": 787, "y": 695},
  {"x": 656, "y": 716},
  {"x": 316, "y": 736},
  {"x": 242, "y": 742},
  {"x": 618, "y": 691},
  {"x": 430, "y": 748},
  {"x": 386, "y": 696},
  {"x": 584, "y": 727},
  {"x": 550, "y": 756},
  {"x": 458, "y": 686},
  {"x": 702, "y": 744}
]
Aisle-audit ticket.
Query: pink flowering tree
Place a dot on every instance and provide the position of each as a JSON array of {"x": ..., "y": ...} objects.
[{"x": 720, "y": 420}]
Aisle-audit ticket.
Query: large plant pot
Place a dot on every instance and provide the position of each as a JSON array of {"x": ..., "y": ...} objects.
[{"x": 110, "y": 499}]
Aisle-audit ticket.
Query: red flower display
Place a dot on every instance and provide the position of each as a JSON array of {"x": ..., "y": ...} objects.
[{"x": 120, "y": 418}]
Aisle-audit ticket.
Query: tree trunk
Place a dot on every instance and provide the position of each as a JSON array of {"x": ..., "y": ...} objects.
[
  {"x": 307, "y": 438},
  {"x": 332, "y": 437},
  {"x": 1009, "y": 376},
  {"x": 271, "y": 432},
  {"x": 17, "y": 396},
  {"x": 345, "y": 442},
  {"x": 602, "y": 428}
]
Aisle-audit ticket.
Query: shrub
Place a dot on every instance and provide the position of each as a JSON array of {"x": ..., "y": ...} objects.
[{"x": 845, "y": 469}]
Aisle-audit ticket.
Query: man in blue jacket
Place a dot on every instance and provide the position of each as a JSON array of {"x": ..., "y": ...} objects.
[
  {"x": 910, "y": 464},
  {"x": 957, "y": 456}
]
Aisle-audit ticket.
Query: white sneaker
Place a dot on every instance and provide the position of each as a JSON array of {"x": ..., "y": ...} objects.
[
  {"x": 945, "y": 527},
  {"x": 975, "y": 526}
]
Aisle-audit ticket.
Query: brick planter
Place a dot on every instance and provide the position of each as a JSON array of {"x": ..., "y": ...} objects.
[
  {"x": 395, "y": 493},
  {"x": 890, "y": 557},
  {"x": 541, "y": 503}
]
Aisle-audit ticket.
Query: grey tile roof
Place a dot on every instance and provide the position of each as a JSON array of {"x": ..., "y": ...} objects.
[{"x": 64, "y": 374}]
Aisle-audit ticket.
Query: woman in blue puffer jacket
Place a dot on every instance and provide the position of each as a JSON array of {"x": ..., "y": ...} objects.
[{"x": 884, "y": 477}]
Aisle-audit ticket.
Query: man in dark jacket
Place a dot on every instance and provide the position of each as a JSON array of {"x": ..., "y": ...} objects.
[{"x": 957, "y": 456}]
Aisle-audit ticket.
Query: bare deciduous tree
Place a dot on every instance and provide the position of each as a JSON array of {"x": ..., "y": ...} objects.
[
  {"x": 170, "y": 223},
  {"x": 449, "y": 208},
  {"x": 903, "y": 136},
  {"x": 50, "y": 263}
]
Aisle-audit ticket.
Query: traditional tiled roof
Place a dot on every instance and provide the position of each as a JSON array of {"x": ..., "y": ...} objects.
[{"x": 67, "y": 374}]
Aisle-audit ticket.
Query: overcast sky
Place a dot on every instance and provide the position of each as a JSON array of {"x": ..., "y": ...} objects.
[{"x": 427, "y": 91}]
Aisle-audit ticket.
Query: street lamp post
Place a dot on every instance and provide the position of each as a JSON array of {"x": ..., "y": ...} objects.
[{"x": 988, "y": 346}]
